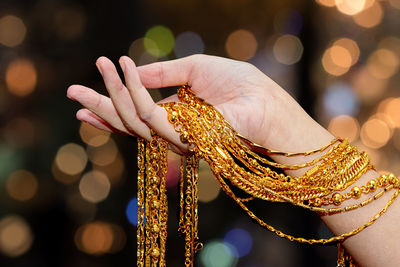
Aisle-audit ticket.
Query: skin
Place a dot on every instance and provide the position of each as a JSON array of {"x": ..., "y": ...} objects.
[{"x": 255, "y": 106}]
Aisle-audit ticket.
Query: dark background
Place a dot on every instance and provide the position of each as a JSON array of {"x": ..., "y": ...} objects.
[{"x": 63, "y": 39}]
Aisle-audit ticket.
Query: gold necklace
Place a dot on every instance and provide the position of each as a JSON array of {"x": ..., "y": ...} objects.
[{"x": 231, "y": 158}]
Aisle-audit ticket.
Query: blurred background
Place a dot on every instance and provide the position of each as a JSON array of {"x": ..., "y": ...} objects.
[{"x": 67, "y": 190}]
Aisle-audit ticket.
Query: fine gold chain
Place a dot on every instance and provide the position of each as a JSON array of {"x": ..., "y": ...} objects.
[{"x": 235, "y": 159}]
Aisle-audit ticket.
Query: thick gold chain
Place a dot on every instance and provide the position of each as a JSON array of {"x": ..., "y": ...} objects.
[{"x": 233, "y": 158}]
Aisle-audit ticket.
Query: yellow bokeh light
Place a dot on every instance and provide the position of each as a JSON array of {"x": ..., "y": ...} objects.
[
  {"x": 93, "y": 136},
  {"x": 241, "y": 45},
  {"x": 350, "y": 7},
  {"x": 22, "y": 185},
  {"x": 114, "y": 170},
  {"x": 328, "y": 3},
  {"x": 12, "y": 31},
  {"x": 344, "y": 126},
  {"x": 370, "y": 17},
  {"x": 94, "y": 186},
  {"x": 159, "y": 41},
  {"x": 21, "y": 77},
  {"x": 375, "y": 133},
  {"x": 383, "y": 63},
  {"x": 15, "y": 236},
  {"x": 392, "y": 109},
  {"x": 288, "y": 49},
  {"x": 336, "y": 55},
  {"x": 208, "y": 185},
  {"x": 104, "y": 154},
  {"x": 351, "y": 47},
  {"x": 368, "y": 87},
  {"x": 340, "y": 56},
  {"x": 71, "y": 159}
]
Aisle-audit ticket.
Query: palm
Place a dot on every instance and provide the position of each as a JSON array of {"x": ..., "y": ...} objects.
[{"x": 240, "y": 91}]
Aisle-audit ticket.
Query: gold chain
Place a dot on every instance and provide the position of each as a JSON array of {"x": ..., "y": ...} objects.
[{"x": 235, "y": 159}]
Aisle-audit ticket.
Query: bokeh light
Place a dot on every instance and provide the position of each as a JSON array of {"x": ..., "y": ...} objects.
[
  {"x": 350, "y": 7},
  {"x": 375, "y": 133},
  {"x": 218, "y": 254},
  {"x": 63, "y": 177},
  {"x": 241, "y": 240},
  {"x": 114, "y": 170},
  {"x": 371, "y": 16},
  {"x": 383, "y": 63},
  {"x": 328, "y": 3},
  {"x": 337, "y": 60},
  {"x": 352, "y": 48},
  {"x": 241, "y": 45},
  {"x": 132, "y": 211},
  {"x": 159, "y": 41},
  {"x": 367, "y": 87},
  {"x": 391, "y": 43},
  {"x": 69, "y": 22},
  {"x": 344, "y": 126},
  {"x": 288, "y": 49},
  {"x": 392, "y": 109},
  {"x": 104, "y": 154},
  {"x": 22, "y": 185},
  {"x": 208, "y": 186},
  {"x": 93, "y": 136},
  {"x": 339, "y": 99},
  {"x": 139, "y": 54},
  {"x": 94, "y": 186},
  {"x": 12, "y": 31},
  {"x": 99, "y": 237},
  {"x": 71, "y": 159},
  {"x": 188, "y": 43},
  {"x": 16, "y": 237},
  {"x": 21, "y": 77}
]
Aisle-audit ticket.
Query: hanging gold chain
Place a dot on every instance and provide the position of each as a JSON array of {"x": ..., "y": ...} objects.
[{"x": 231, "y": 158}]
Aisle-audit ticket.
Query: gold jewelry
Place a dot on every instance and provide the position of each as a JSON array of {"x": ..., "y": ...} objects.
[{"x": 230, "y": 156}]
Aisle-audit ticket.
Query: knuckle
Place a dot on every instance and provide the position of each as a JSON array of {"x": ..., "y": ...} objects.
[
  {"x": 161, "y": 73},
  {"x": 147, "y": 113},
  {"x": 98, "y": 102}
]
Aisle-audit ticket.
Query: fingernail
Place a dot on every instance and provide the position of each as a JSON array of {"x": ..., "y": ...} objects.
[
  {"x": 122, "y": 64},
  {"x": 100, "y": 69}
]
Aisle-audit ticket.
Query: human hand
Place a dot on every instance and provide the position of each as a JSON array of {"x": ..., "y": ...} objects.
[{"x": 251, "y": 102}]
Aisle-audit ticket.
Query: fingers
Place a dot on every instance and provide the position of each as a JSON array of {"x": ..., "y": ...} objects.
[
  {"x": 121, "y": 99},
  {"x": 87, "y": 116},
  {"x": 98, "y": 104},
  {"x": 167, "y": 73},
  {"x": 149, "y": 112}
]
